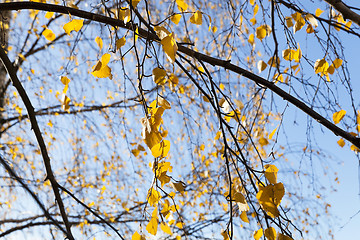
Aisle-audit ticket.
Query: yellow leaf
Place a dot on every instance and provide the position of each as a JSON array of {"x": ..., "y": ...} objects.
[
  {"x": 165, "y": 228},
  {"x": 258, "y": 234},
  {"x": 150, "y": 132},
  {"x": 309, "y": 29},
  {"x": 271, "y": 173},
  {"x": 182, "y": 6},
  {"x": 337, "y": 63},
  {"x": 152, "y": 226},
  {"x": 137, "y": 236},
  {"x": 99, "y": 42},
  {"x": 161, "y": 32},
  {"x": 318, "y": 12},
  {"x": 281, "y": 236},
  {"x": 159, "y": 76},
  {"x": 124, "y": 14},
  {"x": 170, "y": 47},
  {"x": 65, "y": 102},
  {"x": 252, "y": 2},
  {"x": 299, "y": 21},
  {"x": 354, "y": 148},
  {"x": 74, "y": 25},
  {"x": 270, "y": 233},
  {"x": 65, "y": 80},
  {"x": 49, "y": 35},
  {"x": 312, "y": 20},
  {"x": 49, "y": 15},
  {"x": 175, "y": 18},
  {"x": 163, "y": 103},
  {"x": 272, "y": 133},
  {"x": 261, "y": 65},
  {"x": 100, "y": 69},
  {"x": 263, "y": 141},
  {"x": 261, "y": 32},
  {"x": 251, "y": 39},
  {"x": 196, "y": 18},
  {"x": 240, "y": 201},
  {"x": 135, "y": 3},
  {"x": 161, "y": 149},
  {"x": 321, "y": 66},
  {"x": 338, "y": 116},
  {"x": 178, "y": 186},
  {"x": 153, "y": 196},
  {"x": 244, "y": 217},
  {"x": 289, "y": 22},
  {"x": 120, "y": 42},
  {"x": 270, "y": 197}
]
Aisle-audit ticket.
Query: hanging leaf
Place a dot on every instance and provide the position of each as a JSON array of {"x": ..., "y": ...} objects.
[
  {"x": 159, "y": 76},
  {"x": 49, "y": 35},
  {"x": 196, "y": 18},
  {"x": 338, "y": 116},
  {"x": 74, "y": 25}
]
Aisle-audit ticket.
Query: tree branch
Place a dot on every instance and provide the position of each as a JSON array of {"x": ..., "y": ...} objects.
[
  {"x": 345, "y": 11},
  {"x": 192, "y": 53},
  {"x": 35, "y": 127}
]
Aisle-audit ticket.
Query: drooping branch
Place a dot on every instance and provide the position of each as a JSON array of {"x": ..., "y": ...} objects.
[
  {"x": 147, "y": 34},
  {"x": 35, "y": 127}
]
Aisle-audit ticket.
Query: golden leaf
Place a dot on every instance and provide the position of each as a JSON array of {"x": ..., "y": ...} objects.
[
  {"x": 74, "y": 25},
  {"x": 270, "y": 233},
  {"x": 271, "y": 173},
  {"x": 196, "y": 18},
  {"x": 338, "y": 116}
]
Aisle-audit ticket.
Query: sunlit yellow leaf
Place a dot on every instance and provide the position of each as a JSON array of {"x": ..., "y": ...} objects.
[
  {"x": 161, "y": 149},
  {"x": 312, "y": 20},
  {"x": 196, "y": 18},
  {"x": 261, "y": 65},
  {"x": 163, "y": 103},
  {"x": 270, "y": 197},
  {"x": 263, "y": 141},
  {"x": 271, "y": 173},
  {"x": 258, "y": 234},
  {"x": 261, "y": 32},
  {"x": 74, "y": 25},
  {"x": 251, "y": 39},
  {"x": 99, "y": 42},
  {"x": 49, "y": 35},
  {"x": 225, "y": 235},
  {"x": 321, "y": 66},
  {"x": 281, "y": 236},
  {"x": 272, "y": 133},
  {"x": 244, "y": 217},
  {"x": 159, "y": 76},
  {"x": 337, "y": 63},
  {"x": 65, "y": 101},
  {"x": 240, "y": 200},
  {"x": 181, "y": 5},
  {"x": 252, "y": 2},
  {"x": 120, "y": 42},
  {"x": 135, "y": 3},
  {"x": 289, "y": 22},
  {"x": 318, "y": 12},
  {"x": 65, "y": 80},
  {"x": 49, "y": 15},
  {"x": 153, "y": 197},
  {"x": 176, "y": 18},
  {"x": 338, "y": 116},
  {"x": 170, "y": 47},
  {"x": 137, "y": 236},
  {"x": 178, "y": 186},
  {"x": 100, "y": 69},
  {"x": 152, "y": 226},
  {"x": 165, "y": 228},
  {"x": 270, "y": 233}
]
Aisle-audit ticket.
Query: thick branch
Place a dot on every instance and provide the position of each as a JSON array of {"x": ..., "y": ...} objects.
[
  {"x": 35, "y": 127},
  {"x": 345, "y": 10},
  {"x": 199, "y": 56}
]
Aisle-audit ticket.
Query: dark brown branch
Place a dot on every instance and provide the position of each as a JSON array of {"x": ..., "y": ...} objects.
[
  {"x": 194, "y": 54},
  {"x": 35, "y": 127},
  {"x": 345, "y": 11},
  {"x": 33, "y": 195}
]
